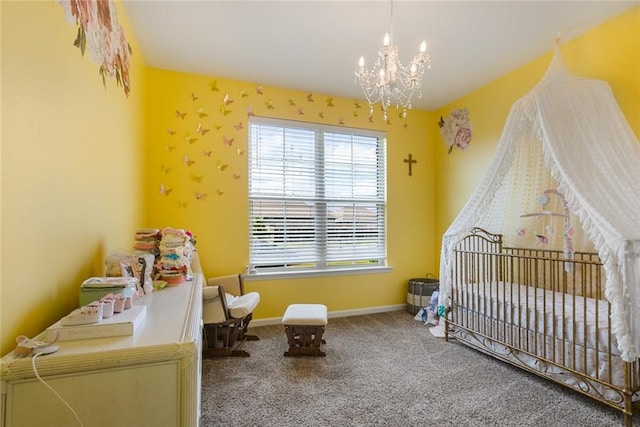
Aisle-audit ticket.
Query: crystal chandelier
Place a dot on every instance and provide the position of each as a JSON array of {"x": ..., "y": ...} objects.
[{"x": 390, "y": 82}]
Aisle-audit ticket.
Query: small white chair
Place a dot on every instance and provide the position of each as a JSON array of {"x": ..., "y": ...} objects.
[{"x": 226, "y": 313}]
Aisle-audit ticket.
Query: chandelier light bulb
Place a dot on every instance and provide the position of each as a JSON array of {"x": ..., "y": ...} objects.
[
  {"x": 361, "y": 63},
  {"x": 387, "y": 40},
  {"x": 423, "y": 46}
]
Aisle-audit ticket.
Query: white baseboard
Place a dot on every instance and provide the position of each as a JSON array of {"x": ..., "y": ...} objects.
[{"x": 334, "y": 314}]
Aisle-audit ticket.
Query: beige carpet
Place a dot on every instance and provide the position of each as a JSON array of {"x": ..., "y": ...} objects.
[{"x": 384, "y": 370}]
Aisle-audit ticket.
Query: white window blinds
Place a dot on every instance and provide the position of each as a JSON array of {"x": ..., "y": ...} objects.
[{"x": 317, "y": 197}]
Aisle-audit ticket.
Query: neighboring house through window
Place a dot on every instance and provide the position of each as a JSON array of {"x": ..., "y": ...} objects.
[{"x": 317, "y": 197}]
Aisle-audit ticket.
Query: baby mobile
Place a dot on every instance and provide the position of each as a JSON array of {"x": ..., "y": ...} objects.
[{"x": 548, "y": 231}]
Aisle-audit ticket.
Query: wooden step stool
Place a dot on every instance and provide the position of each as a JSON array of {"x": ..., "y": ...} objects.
[{"x": 304, "y": 325}]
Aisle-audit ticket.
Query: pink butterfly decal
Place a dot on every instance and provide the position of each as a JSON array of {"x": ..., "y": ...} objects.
[
  {"x": 250, "y": 111},
  {"x": 238, "y": 126},
  {"x": 227, "y": 141},
  {"x": 171, "y": 131},
  {"x": 259, "y": 90},
  {"x": 201, "y": 130},
  {"x": 300, "y": 112},
  {"x": 188, "y": 162},
  {"x": 193, "y": 97},
  {"x": 340, "y": 121},
  {"x": 227, "y": 100},
  {"x": 165, "y": 191},
  {"x": 207, "y": 153},
  {"x": 180, "y": 115},
  {"x": 310, "y": 97},
  {"x": 201, "y": 196},
  {"x": 213, "y": 86}
]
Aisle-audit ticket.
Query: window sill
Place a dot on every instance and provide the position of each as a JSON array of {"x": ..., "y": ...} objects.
[{"x": 314, "y": 273}]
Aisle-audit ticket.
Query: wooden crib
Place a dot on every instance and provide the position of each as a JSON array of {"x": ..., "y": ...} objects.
[{"x": 542, "y": 312}]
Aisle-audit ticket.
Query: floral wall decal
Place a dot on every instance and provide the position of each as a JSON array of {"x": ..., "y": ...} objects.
[
  {"x": 100, "y": 32},
  {"x": 456, "y": 129}
]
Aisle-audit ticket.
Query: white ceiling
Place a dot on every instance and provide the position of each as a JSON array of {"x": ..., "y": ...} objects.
[{"x": 314, "y": 46}]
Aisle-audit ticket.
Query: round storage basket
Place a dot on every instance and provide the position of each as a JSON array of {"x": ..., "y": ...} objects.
[{"x": 420, "y": 291}]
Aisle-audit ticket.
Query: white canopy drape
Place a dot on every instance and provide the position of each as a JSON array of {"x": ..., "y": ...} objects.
[{"x": 573, "y": 128}]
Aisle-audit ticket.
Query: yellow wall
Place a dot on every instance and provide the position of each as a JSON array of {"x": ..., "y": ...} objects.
[
  {"x": 71, "y": 166},
  {"x": 219, "y": 220},
  {"x": 609, "y": 52}
]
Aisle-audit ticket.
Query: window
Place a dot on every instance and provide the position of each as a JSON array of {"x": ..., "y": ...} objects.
[{"x": 317, "y": 197}]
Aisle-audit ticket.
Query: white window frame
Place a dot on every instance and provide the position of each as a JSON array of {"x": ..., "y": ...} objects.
[{"x": 322, "y": 241}]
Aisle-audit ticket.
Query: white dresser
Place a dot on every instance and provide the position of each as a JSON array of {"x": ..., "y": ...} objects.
[{"x": 151, "y": 378}]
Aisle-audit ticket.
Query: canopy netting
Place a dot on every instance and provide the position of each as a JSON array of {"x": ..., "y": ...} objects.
[{"x": 566, "y": 151}]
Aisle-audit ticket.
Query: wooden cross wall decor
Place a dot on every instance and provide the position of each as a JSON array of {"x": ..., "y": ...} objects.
[{"x": 411, "y": 162}]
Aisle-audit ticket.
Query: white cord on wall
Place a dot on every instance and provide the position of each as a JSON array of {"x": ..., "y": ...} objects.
[{"x": 33, "y": 363}]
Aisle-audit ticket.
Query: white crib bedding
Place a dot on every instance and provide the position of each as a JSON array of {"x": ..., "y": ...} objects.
[{"x": 577, "y": 320}]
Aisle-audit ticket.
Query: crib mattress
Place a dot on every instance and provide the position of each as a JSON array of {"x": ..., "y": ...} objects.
[{"x": 567, "y": 318}]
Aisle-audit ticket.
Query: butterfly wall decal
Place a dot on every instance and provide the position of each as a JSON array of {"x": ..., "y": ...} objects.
[
  {"x": 190, "y": 138},
  {"x": 292, "y": 102},
  {"x": 194, "y": 97},
  {"x": 227, "y": 99},
  {"x": 222, "y": 167},
  {"x": 238, "y": 126},
  {"x": 164, "y": 169},
  {"x": 171, "y": 131},
  {"x": 201, "y": 196},
  {"x": 197, "y": 178},
  {"x": 201, "y": 112},
  {"x": 269, "y": 104},
  {"x": 243, "y": 93},
  {"x": 188, "y": 161},
  {"x": 165, "y": 191},
  {"x": 207, "y": 153},
  {"x": 330, "y": 102},
  {"x": 201, "y": 130},
  {"x": 236, "y": 176},
  {"x": 213, "y": 86},
  {"x": 227, "y": 141},
  {"x": 180, "y": 115},
  {"x": 240, "y": 152},
  {"x": 183, "y": 205},
  {"x": 250, "y": 111},
  {"x": 310, "y": 98},
  {"x": 259, "y": 90}
]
